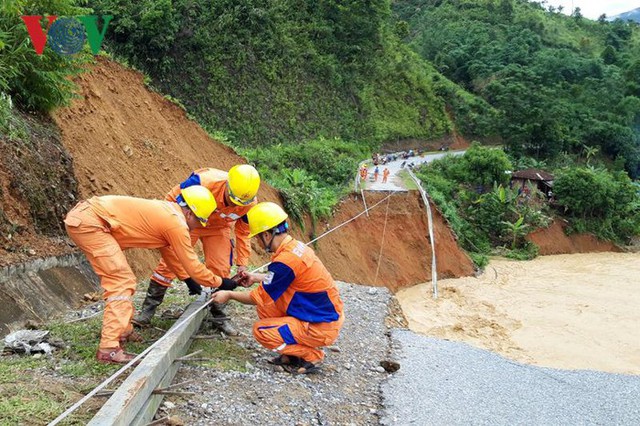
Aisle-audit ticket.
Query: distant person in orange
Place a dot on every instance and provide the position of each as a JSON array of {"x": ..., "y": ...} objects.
[
  {"x": 235, "y": 193},
  {"x": 102, "y": 227},
  {"x": 385, "y": 175},
  {"x": 298, "y": 303},
  {"x": 376, "y": 173}
]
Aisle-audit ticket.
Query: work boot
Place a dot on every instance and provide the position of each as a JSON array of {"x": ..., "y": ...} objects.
[
  {"x": 155, "y": 296},
  {"x": 132, "y": 336},
  {"x": 219, "y": 319},
  {"x": 114, "y": 356}
]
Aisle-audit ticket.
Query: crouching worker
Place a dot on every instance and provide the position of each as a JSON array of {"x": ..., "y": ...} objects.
[
  {"x": 297, "y": 301},
  {"x": 102, "y": 227}
]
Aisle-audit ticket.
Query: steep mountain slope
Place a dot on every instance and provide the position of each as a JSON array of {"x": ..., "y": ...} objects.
[
  {"x": 632, "y": 15},
  {"x": 559, "y": 83},
  {"x": 126, "y": 139},
  {"x": 37, "y": 187}
]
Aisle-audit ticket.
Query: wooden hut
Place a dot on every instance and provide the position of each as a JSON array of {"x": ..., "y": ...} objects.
[{"x": 537, "y": 178}]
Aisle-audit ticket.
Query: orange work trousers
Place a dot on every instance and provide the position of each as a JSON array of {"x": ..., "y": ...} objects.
[
  {"x": 291, "y": 336},
  {"x": 91, "y": 234},
  {"x": 218, "y": 256}
]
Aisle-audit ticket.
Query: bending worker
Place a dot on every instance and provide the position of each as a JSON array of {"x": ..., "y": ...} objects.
[
  {"x": 102, "y": 227},
  {"x": 297, "y": 301},
  {"x": 235, "y": 193}
]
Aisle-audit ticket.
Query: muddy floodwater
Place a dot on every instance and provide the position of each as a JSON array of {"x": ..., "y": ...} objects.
[{"x": 579, "y": 311}]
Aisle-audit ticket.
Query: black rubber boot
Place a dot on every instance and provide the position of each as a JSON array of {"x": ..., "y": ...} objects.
[
  {"x": 219, "y": 319},
  {"x": 155, "y": 296}
]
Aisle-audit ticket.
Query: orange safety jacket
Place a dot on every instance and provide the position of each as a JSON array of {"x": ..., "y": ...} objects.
[
  {"x": 154, "y": 224},
  {"x": 225, "y": 215},
  {"x": 299, "y": 285}
]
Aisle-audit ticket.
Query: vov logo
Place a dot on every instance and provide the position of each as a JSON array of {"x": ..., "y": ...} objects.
[{"x": 66, "y": 34}]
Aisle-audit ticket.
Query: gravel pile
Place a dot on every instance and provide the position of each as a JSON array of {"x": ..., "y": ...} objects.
[{"x": 347, "y": 392}]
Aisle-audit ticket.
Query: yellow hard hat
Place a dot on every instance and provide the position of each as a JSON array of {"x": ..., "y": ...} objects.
[
  {"x": 201, "y": 202},
  {"x": 243, "y": 183},
  {"x": 265, "y": 216}
]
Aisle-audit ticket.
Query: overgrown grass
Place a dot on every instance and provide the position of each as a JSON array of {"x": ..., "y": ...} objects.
[
  {"x": 36, "y": 389},
  {"x": 225, "y": 354},
  {"x": 407, "y": 181},
  {"x": 26, "y": 398}
]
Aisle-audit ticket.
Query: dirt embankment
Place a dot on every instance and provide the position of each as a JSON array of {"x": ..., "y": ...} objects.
[
  {"x": 126, "y": 139},
  {"x": 404, "y": 255},
  {"x": 37, "y": 186},
  {"x": 553, "y": 240}
]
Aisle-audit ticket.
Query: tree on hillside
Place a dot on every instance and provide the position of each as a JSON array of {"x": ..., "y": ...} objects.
[
  {"x": 484, "y": 166},
  {"x": 551, "y": 78},
  {"x": 599, "y": 201},
  {"x": 35, "y": 82}
]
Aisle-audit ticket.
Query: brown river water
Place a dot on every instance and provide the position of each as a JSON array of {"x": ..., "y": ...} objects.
[{"x": 578, "y": 311}]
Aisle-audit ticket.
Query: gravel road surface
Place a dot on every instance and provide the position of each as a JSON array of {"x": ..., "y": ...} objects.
[
  {"x": 346, "y": 393},
  {"x": 452, "y": 383}
]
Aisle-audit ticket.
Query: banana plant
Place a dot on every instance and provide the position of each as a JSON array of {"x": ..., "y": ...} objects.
[{"x": 516, "y": 229}]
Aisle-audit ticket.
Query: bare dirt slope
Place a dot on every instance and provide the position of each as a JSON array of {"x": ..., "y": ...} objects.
[
  {"x": 353, "y": 252},
  {"x": 126, "y": 139},
  {"x": 553, "y": 240},
  {"x": 36, "y": 187}
]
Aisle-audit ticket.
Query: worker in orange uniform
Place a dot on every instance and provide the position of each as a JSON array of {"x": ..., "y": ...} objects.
[
  {"x": 385, "y": 175},
  {"x": 235, "y": 193},
  {"x": 102, "y": 227},
  {"x": 297, "y": 300}
]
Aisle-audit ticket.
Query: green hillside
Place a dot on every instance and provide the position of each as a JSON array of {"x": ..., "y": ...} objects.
[
  {"x": 282, "y": 70},
  {"x": 559, "y": 83}
]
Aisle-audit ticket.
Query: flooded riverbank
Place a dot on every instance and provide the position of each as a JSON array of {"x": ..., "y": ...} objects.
[{"x": 579, "y": 311}]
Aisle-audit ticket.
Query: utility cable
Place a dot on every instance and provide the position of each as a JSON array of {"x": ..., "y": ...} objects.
[
  {"x": 384, "y": 231},
  {"x": 176, "y": 327}
]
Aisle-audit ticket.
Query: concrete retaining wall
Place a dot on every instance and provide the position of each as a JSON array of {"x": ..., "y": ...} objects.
[{"x": 41, "y": 288}]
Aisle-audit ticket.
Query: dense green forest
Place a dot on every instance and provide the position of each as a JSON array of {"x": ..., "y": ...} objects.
[
  {"x": 559, "y": 83},
  {"x": 266, "y": 72},
  {"x": 567, "y": 94}
]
